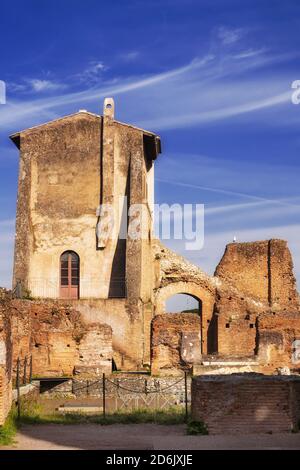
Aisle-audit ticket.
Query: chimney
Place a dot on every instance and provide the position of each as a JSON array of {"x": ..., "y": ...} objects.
[{"x": 109, "y": 108}]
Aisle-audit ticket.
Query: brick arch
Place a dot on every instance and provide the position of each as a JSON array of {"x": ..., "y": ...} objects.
[{"x": 205, "y": 295}]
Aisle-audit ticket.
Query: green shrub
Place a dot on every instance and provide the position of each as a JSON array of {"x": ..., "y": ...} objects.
[{"x": 195, "y": 428}]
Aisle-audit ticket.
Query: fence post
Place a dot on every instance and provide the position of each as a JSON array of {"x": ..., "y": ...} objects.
[
  {"x": 30, "y": 370},
  {"x": 186, "y": 396},
  {"x": 103, "y": 396},
  {"x": 18, "y": 388},
  {"x": 25, "y": 371}
]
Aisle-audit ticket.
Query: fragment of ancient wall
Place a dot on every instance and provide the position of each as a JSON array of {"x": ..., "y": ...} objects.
[{"x": 250, "y": 308}]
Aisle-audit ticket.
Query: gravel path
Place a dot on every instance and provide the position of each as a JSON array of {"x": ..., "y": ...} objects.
[{"x": 140, "y": 436}]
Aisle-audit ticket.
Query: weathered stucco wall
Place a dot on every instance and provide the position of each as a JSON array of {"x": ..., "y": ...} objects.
[
  {"x": 127, "y": 338},
  {"x": 67, "y": 168}
]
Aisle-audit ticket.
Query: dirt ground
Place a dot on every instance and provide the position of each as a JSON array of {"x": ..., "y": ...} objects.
[{"x": 138, "y": 437}]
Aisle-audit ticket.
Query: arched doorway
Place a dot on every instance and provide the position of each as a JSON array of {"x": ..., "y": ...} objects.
[
  {"x": 203, "y": 294},
  {"x": 69, "y": 275},
  {"x": 184, "y": 304},
  {"x": 176, "y": 334}
]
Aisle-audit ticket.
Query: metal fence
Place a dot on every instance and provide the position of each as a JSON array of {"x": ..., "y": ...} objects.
[
  {"x": 121, "y": 396},
  {"x": 23, "y": 377}
]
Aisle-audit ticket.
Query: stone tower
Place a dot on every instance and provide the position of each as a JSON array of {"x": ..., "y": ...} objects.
[{"x": 71, "y": 171}]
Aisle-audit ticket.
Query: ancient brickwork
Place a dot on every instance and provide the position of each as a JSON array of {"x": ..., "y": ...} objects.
[
  {"x": 175, "y": 342},
  {"x": 5, "y": 359},
  {"x": 175, "y": 275},
  {"x": 262, "y": 270},
  {"x": 236, "y": 324},
  {"x": 246, "y": 403},
  {"x": 279, "y": 341},
  {"x": 69, "y": 168},
  {"x": 95, "y": 351},
  {"x": 58, "y": 339}
]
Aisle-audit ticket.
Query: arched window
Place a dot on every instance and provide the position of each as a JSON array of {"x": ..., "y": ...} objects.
[{"x": 69, "y": 275}]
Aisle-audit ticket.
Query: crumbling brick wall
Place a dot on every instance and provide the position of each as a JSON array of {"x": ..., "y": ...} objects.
[
  {"x": 58, "y": 339},
  {"x": 279, "y": 341},
  {"x": 236, "y": 324},
  {"x": 175, "y": 275},
  {"x": 175, "y": 342},
  {"x": 5, "y": 359},
  {"x": 247, "y": 403},
  {"x": 262, "y": 270}
]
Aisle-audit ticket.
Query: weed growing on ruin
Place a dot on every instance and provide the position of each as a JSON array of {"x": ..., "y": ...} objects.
[{"x": 195, "y": 428}]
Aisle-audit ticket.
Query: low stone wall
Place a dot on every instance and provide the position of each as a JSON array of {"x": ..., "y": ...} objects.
[
  {"x": 124, "y": 391},
  {"x": 246, "y": 403}
]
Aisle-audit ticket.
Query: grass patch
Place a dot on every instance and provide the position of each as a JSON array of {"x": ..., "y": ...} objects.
[
  {"x": 9, "y": 429},
  {"x": 195, "y": 428},
  {"x": 34, "y": 413}
]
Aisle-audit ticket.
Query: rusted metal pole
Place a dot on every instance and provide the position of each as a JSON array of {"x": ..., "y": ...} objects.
[
  {"x": 18, "y": 388},
  {"x": 30, "y": 370},
  {"x": 103, "y": 396},
  {"x": 186, "y": 396},
  {"x": 25, "y": 371}
]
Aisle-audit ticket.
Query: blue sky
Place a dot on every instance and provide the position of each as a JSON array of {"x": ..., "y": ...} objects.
[{"x": 212, "y": 77}]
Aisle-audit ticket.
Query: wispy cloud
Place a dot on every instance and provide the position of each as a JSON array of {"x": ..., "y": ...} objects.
[
  {"x": 45, "y": 85},
  {"x": 188, "y": 95},
  {"x": 92, "y": 73},
  {"x": 229, "y": 36},
  {"x": 36, "y": 85},
  {"x": 130, "y": 56}
]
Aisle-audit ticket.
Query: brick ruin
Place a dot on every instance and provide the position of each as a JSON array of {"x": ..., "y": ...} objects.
[
  {"x": 249, "y": 315},
  {"x": 5, "y": 359},
  {"x": 247, "y": 404}
]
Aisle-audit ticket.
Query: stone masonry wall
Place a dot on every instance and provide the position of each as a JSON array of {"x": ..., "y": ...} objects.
[
  {"x": 247, "y": 403},
  {"x": 175, "y": 342},
  {"x": 5, "y": 360},
  {"x": 279, "y": 341},
  {"x": 262, "y": 270},
  {"x": 236, "y": 324},
  {"x": 58, "y": 339}
]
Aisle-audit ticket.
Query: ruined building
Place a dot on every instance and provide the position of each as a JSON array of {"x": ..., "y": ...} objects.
[{"x": 99, "y": 301}]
